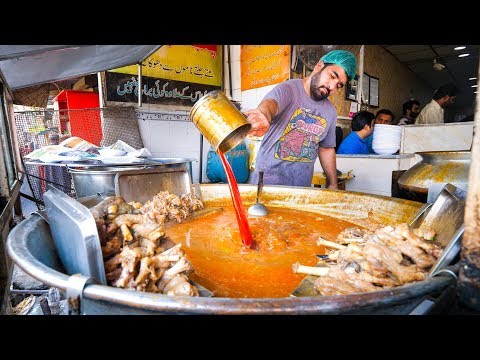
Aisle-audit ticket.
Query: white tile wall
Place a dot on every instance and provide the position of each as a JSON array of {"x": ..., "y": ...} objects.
[
  {"x": 160, "y": 138},
  {"x": 261, "y": 92},
  {"x": 252, "y": 97},
  {"x": 173, "y": 139},
  {"x": 445, "y": 137},
  {"x": 144, "y": 127},
  {"x": 249, "y": 100}
]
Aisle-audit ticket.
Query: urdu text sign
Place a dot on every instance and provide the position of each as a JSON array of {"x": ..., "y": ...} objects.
[
  {"x": 198, "y": 64},
  {"x": 263, "y": 65}
]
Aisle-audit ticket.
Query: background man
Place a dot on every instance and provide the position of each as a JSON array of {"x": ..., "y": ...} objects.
[
  {"x": 384, "y": 117},
  {"x": 433, "y": 112},
  {"x": 410, "y": 110},
  {"x": 362, "y": 127}
]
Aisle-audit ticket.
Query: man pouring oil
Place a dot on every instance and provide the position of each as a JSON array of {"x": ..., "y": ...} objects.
[{"x": 298, "y": 121}]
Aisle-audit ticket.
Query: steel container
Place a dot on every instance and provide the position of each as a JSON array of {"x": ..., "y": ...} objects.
[
  {"x": 31, "y": 247},
  {"x": 437, "y": 167},
  {"x": 90, "y": 180},
  {"x": 218, "y": 119}
]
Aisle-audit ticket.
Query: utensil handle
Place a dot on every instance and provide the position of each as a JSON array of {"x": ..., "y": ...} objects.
[{"x": 260, "y": 184}]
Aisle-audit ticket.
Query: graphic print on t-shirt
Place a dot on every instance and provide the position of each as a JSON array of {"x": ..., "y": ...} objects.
[{"x": 299, "y": 141}]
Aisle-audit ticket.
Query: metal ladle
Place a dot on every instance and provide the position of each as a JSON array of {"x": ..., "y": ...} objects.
[{"x": 258, "y": 209}]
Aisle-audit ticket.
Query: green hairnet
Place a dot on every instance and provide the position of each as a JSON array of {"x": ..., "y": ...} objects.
[{"x": 342, "y": 58}]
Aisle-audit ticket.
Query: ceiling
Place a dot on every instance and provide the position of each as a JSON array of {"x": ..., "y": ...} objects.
[{"x": 420, "y": 59}]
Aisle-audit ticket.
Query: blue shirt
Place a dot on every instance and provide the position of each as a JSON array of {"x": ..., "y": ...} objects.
[
  {"x": 369, "y": 142},
  {"x": 353, "y": 144}
]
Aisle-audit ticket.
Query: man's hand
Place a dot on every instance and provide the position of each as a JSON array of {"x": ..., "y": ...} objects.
[
  {"x": 262, "y": 116},
  {"x": 328, "y": 160},
  {"x": 259, "y": 121}
]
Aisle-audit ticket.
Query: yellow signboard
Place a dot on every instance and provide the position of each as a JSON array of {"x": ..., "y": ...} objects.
[
  {"x": 263, "y": 65},
  {"x": 199, "y": 64}
]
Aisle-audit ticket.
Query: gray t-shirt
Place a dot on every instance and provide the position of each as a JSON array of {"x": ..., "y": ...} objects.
[{"x": 289, "y": 149}]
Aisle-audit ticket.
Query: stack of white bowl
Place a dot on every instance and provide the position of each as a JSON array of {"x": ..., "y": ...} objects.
[{"x": 386, "y": 139}]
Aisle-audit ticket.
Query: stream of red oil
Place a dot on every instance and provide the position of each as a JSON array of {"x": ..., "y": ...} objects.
[{"x": 245, "y": 233}]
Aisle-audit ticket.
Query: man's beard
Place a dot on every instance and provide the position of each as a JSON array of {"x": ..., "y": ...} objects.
[{"x": 315, "y": 92}]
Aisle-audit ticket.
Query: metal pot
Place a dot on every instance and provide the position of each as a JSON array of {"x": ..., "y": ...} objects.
[
  {"x": 437, "y": 167},
  {"x": 217, "y": 118},
  {"x": 90, "y": 180},
  {"x": 31, "y": 247}
]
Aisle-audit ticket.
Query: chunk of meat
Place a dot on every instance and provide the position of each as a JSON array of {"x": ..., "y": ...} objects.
[{"x": 329, "y": 286}]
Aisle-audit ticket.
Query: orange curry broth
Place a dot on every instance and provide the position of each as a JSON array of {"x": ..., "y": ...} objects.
[{"x": 229, "y": 269}]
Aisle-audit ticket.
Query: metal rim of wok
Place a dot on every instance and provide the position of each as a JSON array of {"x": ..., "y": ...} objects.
[
  {"x": 18, "y": 252},
  {"x": 431, "y": 170}
]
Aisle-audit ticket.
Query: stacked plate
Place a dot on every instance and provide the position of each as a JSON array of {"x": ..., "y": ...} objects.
[{"x": 386, "y": 139}]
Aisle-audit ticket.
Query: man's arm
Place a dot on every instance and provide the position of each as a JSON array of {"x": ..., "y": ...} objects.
[
  {"x": 328, "y": 160},
  {"x": 261, "y": 117}
]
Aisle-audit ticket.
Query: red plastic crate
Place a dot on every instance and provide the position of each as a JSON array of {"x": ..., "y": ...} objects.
[{"x": 84, "y": 124}]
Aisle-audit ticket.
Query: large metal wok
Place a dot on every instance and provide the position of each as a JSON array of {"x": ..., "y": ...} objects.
[
  {"x": 31, "y": 247},
  {"x": 437, "y": 167}
]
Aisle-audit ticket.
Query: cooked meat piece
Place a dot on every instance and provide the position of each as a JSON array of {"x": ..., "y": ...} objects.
[
  {"x": 353, "y": 253},
  {"x": 131, "y": 284},
  {"x": 180, "y": 286},
  {"x": 397, "y": 242},
  {"x": 129, "y": 219},
  {"x": 352, "y": 235},
  {"x": 166, "y": 207},
  {"x": 174, "y": 281},
  {"x": 100, "y": 210},
  {"x": 136, "y": 205},
  {"x": 380, "y": 281},
  {"x": 164, "y": 261},
  {"x": 182, "y": 265},
  {"x": 418, "y": 256},
  {"x": 391, "y": 261},
  {"x": 111, "y": 247},
  {"x": 151, "y": 287},
  {"x": 175, "y": 250},
  {"x": 125, "y": 208},
  {"x": 146, "y": 273},
  {"x": 125, "y": 279},
  {"x": 114, "y": 275},
  {"x": 147, "y": 246},
  {"x": 100, "y": 214},
  {"x": 415, "y": 238},
  {"x": 430, "y": 247},
  {"x": 329, "y": 286},
  {"x": 426, "y": 233},
  {"x": 130, "y": 258},
  {"x": 353, "y": 279},
  {"x": 149, "y": 230},
  {"x": 112, "y": 263}
]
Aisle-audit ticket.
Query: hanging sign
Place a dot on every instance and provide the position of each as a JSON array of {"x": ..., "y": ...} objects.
[{"x": 263, "y": 65}]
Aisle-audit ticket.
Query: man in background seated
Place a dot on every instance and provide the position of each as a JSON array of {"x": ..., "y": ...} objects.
[
  {"x": 384, "y": 117},
  {"x": 362, "y": 127},
  {"x": 410, "y": 109},
  {"x": 433, "y": 112}
]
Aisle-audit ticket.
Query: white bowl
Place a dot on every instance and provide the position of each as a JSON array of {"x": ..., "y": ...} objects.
[
  {"x": 386, "y": 151},
  {"x": 107, "y": 152}
]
